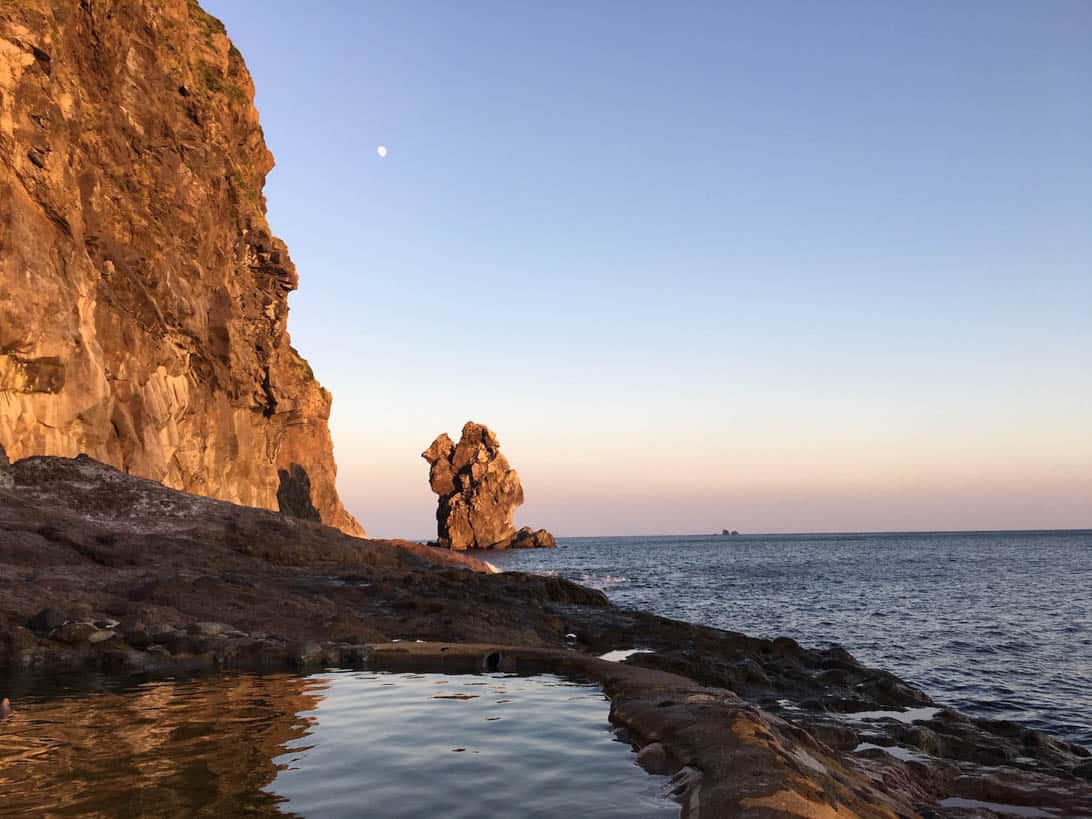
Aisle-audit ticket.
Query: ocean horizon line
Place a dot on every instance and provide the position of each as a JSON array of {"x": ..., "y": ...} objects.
[{"x": 817, "y": 533}]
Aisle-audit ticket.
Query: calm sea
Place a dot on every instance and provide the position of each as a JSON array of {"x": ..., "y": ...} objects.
[{"x": 996, "y": 624}]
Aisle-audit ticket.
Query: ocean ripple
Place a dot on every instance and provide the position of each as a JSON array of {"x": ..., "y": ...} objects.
[{"x": 996, "y": 624}]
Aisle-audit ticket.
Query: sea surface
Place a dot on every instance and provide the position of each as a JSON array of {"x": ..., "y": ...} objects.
[
  {"x": 995, "y": 624},
  {"x": 325, "y": 746}
]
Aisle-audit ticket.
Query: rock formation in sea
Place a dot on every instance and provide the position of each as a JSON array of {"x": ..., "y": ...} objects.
[
  {"x": 143, "y": 298},
  {"x": 479, "y": 493}
]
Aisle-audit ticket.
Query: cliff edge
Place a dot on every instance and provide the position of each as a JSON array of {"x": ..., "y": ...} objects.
[{"x": 143, "y": 299}]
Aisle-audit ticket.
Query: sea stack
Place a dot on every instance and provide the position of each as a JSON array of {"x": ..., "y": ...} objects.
[
  {"x": 478, "y": 493},
  {"x": 143, "y": 298}
]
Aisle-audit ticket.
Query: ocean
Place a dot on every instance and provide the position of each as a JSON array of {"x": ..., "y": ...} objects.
[{"x": 994, "y": 624}]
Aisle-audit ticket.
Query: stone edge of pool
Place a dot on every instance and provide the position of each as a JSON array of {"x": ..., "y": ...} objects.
[{"x": 725, "y": 756}]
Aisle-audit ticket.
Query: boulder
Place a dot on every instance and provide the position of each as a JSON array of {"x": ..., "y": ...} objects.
[
  {"x": 478, "y": 493},
  {"x": 7, "y": 480},
  {"x": 528, "y": 538},
  {"x": 46, "y": 620}
]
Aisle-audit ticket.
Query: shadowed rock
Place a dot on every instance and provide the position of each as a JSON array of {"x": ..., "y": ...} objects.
[
  {"x": 479, "y": 492},
  {"x": 7, "y": 480},
  {"x": 294, "y": 494}
]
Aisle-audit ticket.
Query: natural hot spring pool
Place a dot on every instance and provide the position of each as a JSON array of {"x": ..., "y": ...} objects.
[{"x": 337, "y": 744}]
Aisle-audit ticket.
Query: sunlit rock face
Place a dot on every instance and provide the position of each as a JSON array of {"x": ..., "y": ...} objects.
[
  {"x": 479, "y": 492},
  {"x": 143, "y": 299}
]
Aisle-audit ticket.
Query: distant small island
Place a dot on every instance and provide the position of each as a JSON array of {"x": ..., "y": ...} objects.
[{"x": 730, "y": 534}]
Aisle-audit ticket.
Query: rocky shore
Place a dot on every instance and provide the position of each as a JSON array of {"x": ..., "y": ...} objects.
[
  {"x": 143, "y": 320},
  {"x": 103, "y": 570}
]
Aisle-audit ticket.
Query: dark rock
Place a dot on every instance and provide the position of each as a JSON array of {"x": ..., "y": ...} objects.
[
  {"x": 837, "y": 735},
  {"x": 7, "y": 478},
  {"x": 528, "y": 538},
  {"x": 46, "y": 620},
  {"x": 136, "y": 637},
  {"x": 294, "y": 493},
  {"x": 74, "y": 633}
]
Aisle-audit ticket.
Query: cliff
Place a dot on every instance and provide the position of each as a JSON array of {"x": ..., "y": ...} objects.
[{"x": 143, "y": 299}]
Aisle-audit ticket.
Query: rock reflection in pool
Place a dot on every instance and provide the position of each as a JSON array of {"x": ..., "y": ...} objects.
[
  {"x": 332, "y": 745},
  {"x": 542, "y": 749}
]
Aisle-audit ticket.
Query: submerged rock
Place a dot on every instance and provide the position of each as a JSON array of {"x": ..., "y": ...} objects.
[{"x": 479, "y": 492}]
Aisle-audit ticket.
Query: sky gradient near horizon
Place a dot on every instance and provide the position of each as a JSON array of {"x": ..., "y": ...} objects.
[{"x": 777, "y": 266}]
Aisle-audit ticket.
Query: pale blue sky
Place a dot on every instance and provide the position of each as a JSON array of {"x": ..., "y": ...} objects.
[{"x": 774, "y": 266}]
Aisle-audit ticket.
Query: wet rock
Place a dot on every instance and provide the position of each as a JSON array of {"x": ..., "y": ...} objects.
[
  {"x": 46, "y": 620},
  {"x": 74, "y": 633},
  {"x": 136, "y": 636},
  {"x": 923, "y": 739},
  {"x": 528, "y": 538},
  {"x": 750, "y": 672},
  {"x": 837, "y": 735},
  {"x": 478, "y": 493},
  {"x": 306, "y": 653},
  {"x": 656, "y": 759}
]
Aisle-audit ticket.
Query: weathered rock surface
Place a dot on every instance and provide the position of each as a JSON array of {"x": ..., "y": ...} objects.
[
  {"x": 479, "y": 492},
  {"x": 528, "y": 538},
  {"x": 143, "y": 299}
]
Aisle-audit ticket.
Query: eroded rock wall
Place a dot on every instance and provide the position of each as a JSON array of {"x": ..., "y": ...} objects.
[{"x": 143, "y": 299}]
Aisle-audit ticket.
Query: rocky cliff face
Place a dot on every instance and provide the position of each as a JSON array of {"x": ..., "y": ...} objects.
[
  {"x": 479, "y": 493},
  {"x": 143, "y": 299}
]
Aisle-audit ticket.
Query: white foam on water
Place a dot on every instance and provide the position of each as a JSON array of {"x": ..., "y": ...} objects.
[
  {"x": 908, "y": 716},
  {"x": 897, "y": 751},
  {"x": 618, "y": 655}
]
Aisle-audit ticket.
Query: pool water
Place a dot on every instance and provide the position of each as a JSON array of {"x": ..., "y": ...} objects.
[{"x": 336, "y": 744}]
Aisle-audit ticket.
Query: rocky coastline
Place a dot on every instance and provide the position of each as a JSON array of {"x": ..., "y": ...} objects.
[
  {"x": 106, "y": 571},
  {"x": 172, "y": 506}
]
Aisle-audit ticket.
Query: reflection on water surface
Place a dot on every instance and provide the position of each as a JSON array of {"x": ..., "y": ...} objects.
[{"x": 330, "y": 745}]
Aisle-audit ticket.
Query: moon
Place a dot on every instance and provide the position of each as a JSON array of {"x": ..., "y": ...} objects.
[{"x": 382, "y": 151}]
